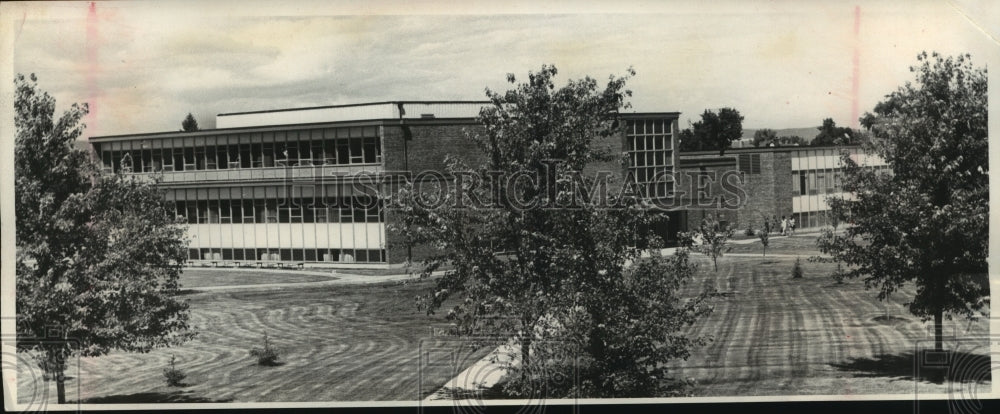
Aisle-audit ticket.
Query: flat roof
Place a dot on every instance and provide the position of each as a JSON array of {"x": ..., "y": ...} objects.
[
  {"x": 307, "y": 108},
  {"x": 375, "y": 119},
  {"x": 746, "y": 150}
]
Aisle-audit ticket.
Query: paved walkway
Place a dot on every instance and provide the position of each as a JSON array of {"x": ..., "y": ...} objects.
[
  {"x": 336, "y": 278},
  {"x": 482, "y": 375}
]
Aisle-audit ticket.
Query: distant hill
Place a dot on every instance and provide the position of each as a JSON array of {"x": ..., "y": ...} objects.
[{"x": 808, "y": 133}]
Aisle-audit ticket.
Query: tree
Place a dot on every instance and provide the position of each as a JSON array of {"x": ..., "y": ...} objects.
[
  {"x": 713, "y": 240},
  {"x": 831, "y": 134},
  {"x": 189, "y": 124},
  {"x": 713, "y": 131},
  {"x": 765, "y": 238},
  {"x": 764, "y": 137},
  {"x": 98, "y": 258},
  {"x": 792, "y": 140},
  {"x": 926, "y": 222},
  {"x": 566, "y": 285}
]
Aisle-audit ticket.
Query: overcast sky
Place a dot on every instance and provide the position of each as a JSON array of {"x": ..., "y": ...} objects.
[{"x": 143, "y": 66}]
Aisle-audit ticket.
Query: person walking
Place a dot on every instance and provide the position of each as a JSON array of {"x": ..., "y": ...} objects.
[
  {"x": 774, "y": 220},
  {"x": 767, "y": 225},
  {"x": 784, "y": 226},
  {"x": 791, "y": 225}
]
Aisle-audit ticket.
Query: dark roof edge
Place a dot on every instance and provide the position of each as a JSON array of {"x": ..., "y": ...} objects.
[
  {"x": 349, "y": 106},
  {"x": 280, "y": 127},
  {"x": 769, "y": 149}
]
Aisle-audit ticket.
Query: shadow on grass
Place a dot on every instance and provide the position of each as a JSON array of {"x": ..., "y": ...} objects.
[
  {"x": 153, "y": 397},
  {"x": 956, "y": 367},
  {"x": 456, "y": 393}
]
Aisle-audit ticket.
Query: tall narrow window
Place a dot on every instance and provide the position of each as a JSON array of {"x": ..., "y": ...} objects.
[
  {"x": 202, "y": 211},
  {"x": 246, "y": 158},
  {"x": 178, "y": 159},
  {"x": 371, "y": 153},
  {"x": 343, "y": 151},
  {"x": 199, "y": 158},
  {"x": 213, "y": 211},
  {"x": 211, "y": 158},
  {"x": 248, "y": 213},
  {"x": 225, "y": 212}
]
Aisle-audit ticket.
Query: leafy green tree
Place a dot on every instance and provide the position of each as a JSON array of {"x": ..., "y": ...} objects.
[
  {"x": 764, "y": 137},
  {"x": 926, "y": 223},
  {"x": 98, "y": 258},
  {"x": 189, "y": 124},
  {"x": 715, "y": 131},
  {"x": 831, "y": 134},
  {"x": 567, "y": 286}
]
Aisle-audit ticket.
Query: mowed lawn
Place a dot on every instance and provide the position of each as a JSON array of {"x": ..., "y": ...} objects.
[
  {"x": 771, "y": 335},
  {"x": 340, "y": 343},
  {"x": 775, "y": 335}
]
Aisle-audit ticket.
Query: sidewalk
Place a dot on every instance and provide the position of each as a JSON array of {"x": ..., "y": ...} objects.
[{"x": 336, "y": 278}]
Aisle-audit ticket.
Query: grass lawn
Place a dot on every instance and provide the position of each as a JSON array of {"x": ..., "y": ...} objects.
[
  {"x": 774, "y": 335},
  {"x": 195, "y": 278},
  {"x": 798, "y": 245},
  {"x": 341, "y": 343},
  {"x": 771, "y": 335}
]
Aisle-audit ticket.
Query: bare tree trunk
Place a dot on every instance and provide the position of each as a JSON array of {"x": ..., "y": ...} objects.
[
  {"x": 525, "y": 353},
  {"x": 61, "y": 386},
  {"x": 938, "y": 330}
]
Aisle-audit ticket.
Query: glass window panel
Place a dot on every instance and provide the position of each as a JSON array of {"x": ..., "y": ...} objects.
[
  {"x": 213, "y": 211},
  {"x": 202, "y": 211},
  {"x": 211, "y": 158},
  {"x": 370, "y": 150},
  {"x": 356, "y": 150},
  {"x": 343, "y": 152}
]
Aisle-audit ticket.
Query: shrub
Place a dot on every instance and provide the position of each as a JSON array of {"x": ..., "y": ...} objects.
[
  {"x": 797, "y": 269},
  {"x": 173, "y": 375},
  {"x": 749, "y": 232},
  {"x": 765, "y": 238},
  {"x": 838, "y": 275},
  {"x": 268, "y": 355}
]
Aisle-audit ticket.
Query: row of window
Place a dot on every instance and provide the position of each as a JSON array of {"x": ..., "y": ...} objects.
[
  {"x": 300, "y": 255},
  {"x": 821, "y": 181},
  {"x": 287, "y": 210},
  {"x": 749, "y": 163},
  {"x": 812, "y": 219},
  {"x": 339, "y": 151}
]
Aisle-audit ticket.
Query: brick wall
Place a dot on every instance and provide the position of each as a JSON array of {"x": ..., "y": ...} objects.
[
  {"x": 767, "y": 193},
  {"x": 426, "y": 150}
]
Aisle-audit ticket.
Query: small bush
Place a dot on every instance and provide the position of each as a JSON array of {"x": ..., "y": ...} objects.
[
  {"x": 173, "y": 375},
  {"x": 797, "y": 269},
  {"x": 268, "y": 355},
  {"x": 749, "y": 232},
  {"x": 838, "y": 275}
]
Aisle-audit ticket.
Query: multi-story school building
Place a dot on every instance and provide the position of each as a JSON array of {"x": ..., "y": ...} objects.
[{"x": 281, "y": 185}]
